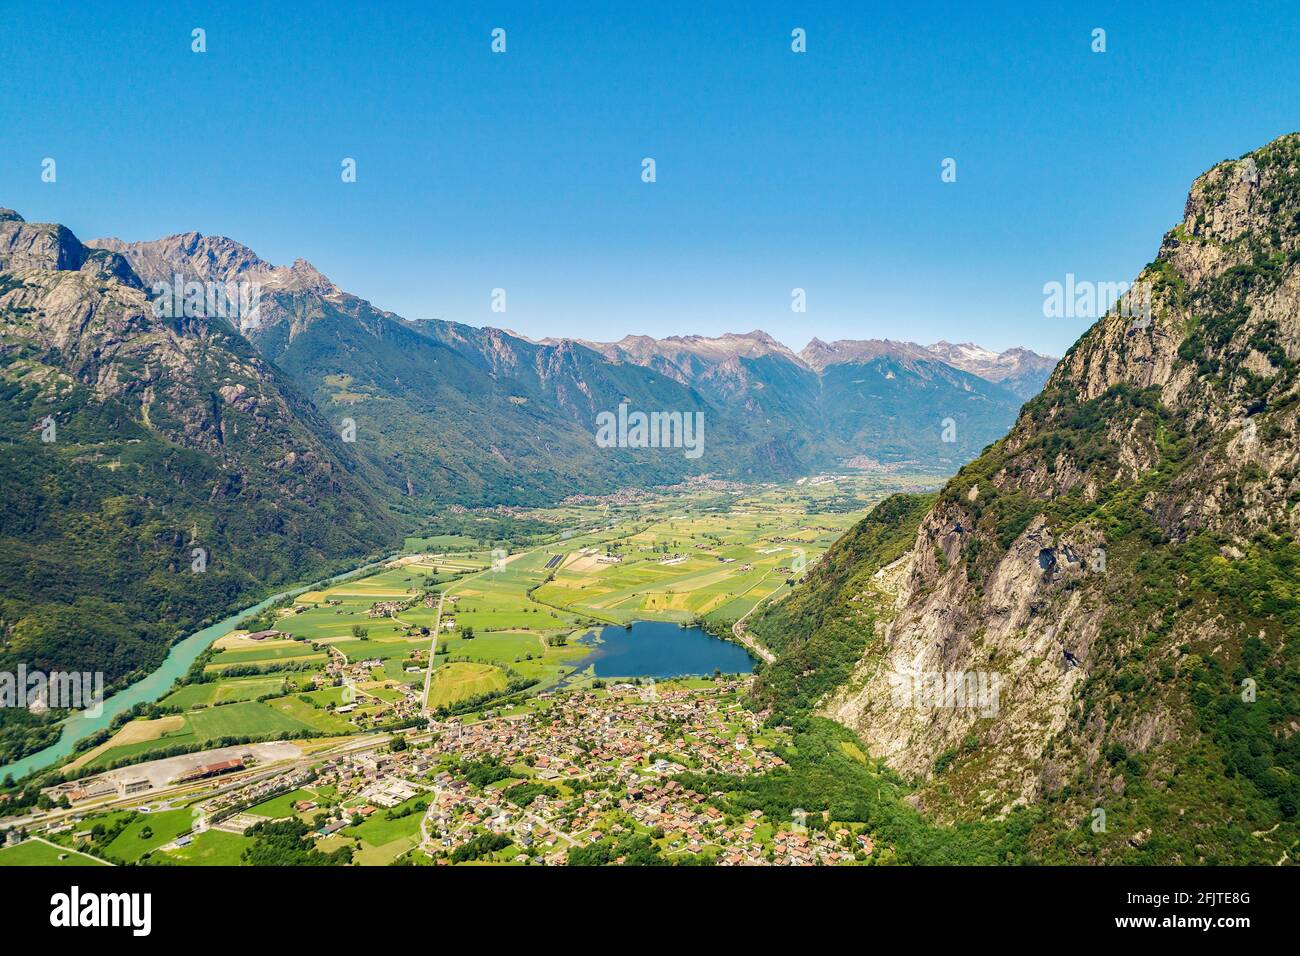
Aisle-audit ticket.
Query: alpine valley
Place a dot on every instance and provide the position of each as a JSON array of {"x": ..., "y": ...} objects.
[{"x": 1108, "y": 541}]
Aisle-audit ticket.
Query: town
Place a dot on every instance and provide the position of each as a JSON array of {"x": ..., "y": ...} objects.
[{"x": 577, "y": 776}]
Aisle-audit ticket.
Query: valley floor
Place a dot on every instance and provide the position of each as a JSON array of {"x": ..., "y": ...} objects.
[{"x": 443, "y": 709}]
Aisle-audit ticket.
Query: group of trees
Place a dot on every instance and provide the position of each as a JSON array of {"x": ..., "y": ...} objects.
[{"x": 286, "y": 843}]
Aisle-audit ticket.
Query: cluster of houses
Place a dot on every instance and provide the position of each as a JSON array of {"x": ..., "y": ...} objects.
[
  {"x": 625, "y": 750},
  {"x": 228, "y": 803},
  {"x": 604, "y": 765},
  {"x": 376, "y": 710},
  {"x": 387, "y": 608},
  {"x": 590, "y": 733}
]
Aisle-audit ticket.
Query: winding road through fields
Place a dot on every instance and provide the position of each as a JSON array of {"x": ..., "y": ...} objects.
[{"x": 747, "y": 639}]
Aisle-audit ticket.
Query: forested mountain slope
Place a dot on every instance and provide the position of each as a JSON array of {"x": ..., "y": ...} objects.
[{"x": 127, "y": 441}]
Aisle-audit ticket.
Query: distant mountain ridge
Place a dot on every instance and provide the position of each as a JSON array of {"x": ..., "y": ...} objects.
[
  {"x": 481, "y": 415},
  {"x": 1021, "y": 370}
]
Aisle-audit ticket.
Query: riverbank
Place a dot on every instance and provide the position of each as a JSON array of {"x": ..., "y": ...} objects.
[{"x": 159, "y": 682}]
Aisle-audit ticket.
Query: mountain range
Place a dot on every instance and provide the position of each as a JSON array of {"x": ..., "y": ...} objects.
[
  {"x": 1121, "y": 570},
  {"x": 478, "y": 416},
  {"x": 684, "y": 356}
]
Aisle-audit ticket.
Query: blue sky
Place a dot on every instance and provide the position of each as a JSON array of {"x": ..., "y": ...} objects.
[{"x": 775, "y": 170}]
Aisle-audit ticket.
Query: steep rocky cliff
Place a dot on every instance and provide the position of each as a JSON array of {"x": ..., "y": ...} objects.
[{"x": 1120, "y": 573}]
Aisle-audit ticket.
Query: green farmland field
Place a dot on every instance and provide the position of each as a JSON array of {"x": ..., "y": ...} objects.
[
  {"x": 38, "y": 853},
  {"x": 458, "y": 681}
]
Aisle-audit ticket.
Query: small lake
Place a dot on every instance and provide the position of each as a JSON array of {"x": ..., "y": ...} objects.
[{"x": 661, "y": 649}]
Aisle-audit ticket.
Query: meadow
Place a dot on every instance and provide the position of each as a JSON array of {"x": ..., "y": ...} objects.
[
  {"x": 39, "y": 853},
  {"x": 209, "y": 848},
  {"x": 460, "y": 680}
]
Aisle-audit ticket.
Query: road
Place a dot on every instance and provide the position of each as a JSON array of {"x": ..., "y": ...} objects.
[
  {"x": 738, "y": 629},
  {"x": 437, "y": 628}
]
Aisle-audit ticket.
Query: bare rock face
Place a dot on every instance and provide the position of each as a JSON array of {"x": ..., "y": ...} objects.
[
  {"x": 1031, "y": 610},
  {"x": 194, "y": 256},
  {"x": 288, "y": 298},
  {"x": 26, "y": 245},
  {"x": 1089, "y": 560}
]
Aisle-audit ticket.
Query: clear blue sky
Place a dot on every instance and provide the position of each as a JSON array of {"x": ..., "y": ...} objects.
[{"x": 775, "y": 170}]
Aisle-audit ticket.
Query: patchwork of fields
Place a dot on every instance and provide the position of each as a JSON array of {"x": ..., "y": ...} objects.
[
  {"x": 686, "y": 566},
  {"x": 354, "y": 656}
]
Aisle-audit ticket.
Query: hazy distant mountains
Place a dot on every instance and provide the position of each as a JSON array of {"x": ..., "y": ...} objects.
[
  {"x": 1019, "y": 370},
  {"x": 450, "y": 412},
  {"x": 873, "y": 399}
]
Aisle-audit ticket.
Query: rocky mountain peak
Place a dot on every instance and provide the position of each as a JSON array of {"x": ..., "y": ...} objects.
[
  {"x": 728, "y": 345},
  {"x": 1019, "y": 369},
  {"x": 820, "y": 355},
  {"x": 302, "y": 276},
  {"x": 1214, "y": 321},
  {"x": 50, "y": 246},
  {"x": 192, "y": 255}
]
